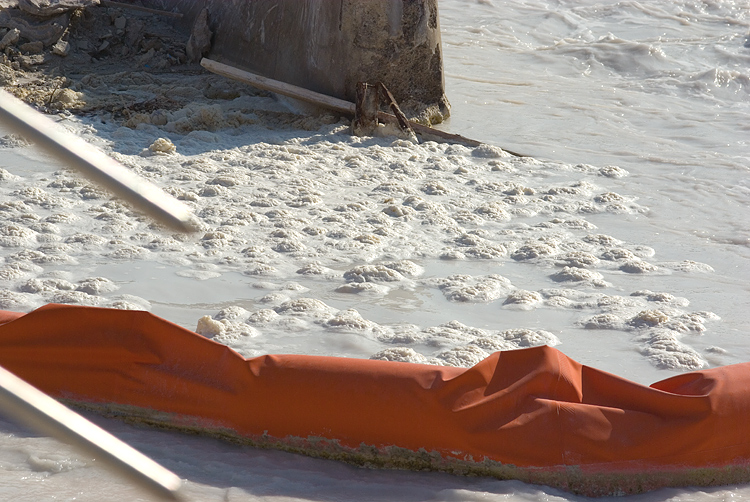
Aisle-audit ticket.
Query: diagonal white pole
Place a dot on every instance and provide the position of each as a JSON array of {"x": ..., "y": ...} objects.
[
  {"x": 94, "y": 164},
  {"x": 35, "y": 409}
]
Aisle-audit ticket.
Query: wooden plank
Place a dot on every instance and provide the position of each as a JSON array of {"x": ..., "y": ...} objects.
[
  {"x": 269, "y": 84},
  {"x": 430, "y": 133},
  {"x": 339, "y": 105},
  {"x": 403, "y": 122}
]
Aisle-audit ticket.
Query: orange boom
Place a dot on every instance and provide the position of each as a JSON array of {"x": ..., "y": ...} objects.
[{"x": 532, "y": 414}]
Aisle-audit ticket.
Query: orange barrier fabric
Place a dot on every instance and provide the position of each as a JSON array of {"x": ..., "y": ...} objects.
[{"x": 532, "y": 414}]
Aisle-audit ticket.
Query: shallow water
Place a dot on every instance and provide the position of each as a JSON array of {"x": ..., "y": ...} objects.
[{"x": 660, "y": 90}]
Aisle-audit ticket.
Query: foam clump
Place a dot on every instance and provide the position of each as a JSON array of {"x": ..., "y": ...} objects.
[
  {"x": 602, "y": 240},
  {"x": 97, "y": 286},
  {"x": 373, "y": 273},
  {"x": 532, "y": 251},
  {"x": 66, "y": 99},
  {"x": 232, "y": 313},
  {"x": 129, "y": 302},
  {"x": 18, "y": 271},
  {"x": 5, "y": 176},
  {"x": 648, "y": 318},
  {"x": 224, "y": 330},
  {"x": 613, "y": 172},
  {"x": 363, "y": 288},
  {"x": 520, "y": 298},
  {"x": 54, "y": 463},
  {"x": 473, "y": 244},
  {"x": 618, "y": 254},
  {"x": 638, "y": 267},
  {"x": 580, "y": 275},
  {"x": 664, "y": 350},
  {"x": 494, "y": 344},
  {"x": 661, "y": 297},
  {"x": 523, "y": 337},
  {"x": 305, "y": 307},
  {"x": 315, "y": 268},
  {"x": 688, "y": 266},
  {"x": 580, "y": 259},
  {"x": 201, "y": 118},
  {"x": 494, "y": 210},
  {"x": 405, "y": 267},
  {"x": 350, "y": 320},
  {"x": 451, "y": 334},
  {"x": 400, "y": 354},
  {"x": 17, "y": 301},
  {"x": 604, "y": 321},
  {"x": 75, "y": 298},
  {"x": 485, "y": 151},
  {"x": 261, "y": 316},
  {"x": 162, "y": 146},
  {"x": 11, "y": 141},
  {"x": 463, "y": 357},
  {"x": 14, "y": 235},
  {"x": 47, "y": 285},
  {"x": 466, "y": 288},
  {"x": 395, "y": 211}
]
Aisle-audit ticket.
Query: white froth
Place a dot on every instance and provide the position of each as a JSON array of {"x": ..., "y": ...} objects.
[
  {"x": 465, "y": 356},
  {"x": 16, "y": 301},
  {"x": 97, "y": 286},
  {"x": 580, "y": 275},
  {"x": 350, "y": 320},
  {"x": 689, "y": 266},
  {"x": 373, "y": 273},
  {"x": 494, "y": 344},
  {"x": 530, "y": 338},
  {"x": 451, "y": 334},
  {"x": 232, "y": 313},
  {"x": 638, "y": 267},
  {"x": 128, "y": 302},
  {"x": 287, "y": 198},
  {"x": 465, "y": 288},
  {"x": 305, "y": 306},
  {"x": 523, "y": 299},
  {"x": 400, "y": 354}
]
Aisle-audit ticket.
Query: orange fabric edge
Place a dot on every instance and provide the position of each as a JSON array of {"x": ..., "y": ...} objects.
[{"x": 532, "y": 414}]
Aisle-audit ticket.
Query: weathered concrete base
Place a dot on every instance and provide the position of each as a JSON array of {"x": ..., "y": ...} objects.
[{"x": 329, "y": 45}]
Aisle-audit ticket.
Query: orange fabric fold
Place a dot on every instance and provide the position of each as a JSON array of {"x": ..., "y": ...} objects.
[{"x": 533, "y": 409}]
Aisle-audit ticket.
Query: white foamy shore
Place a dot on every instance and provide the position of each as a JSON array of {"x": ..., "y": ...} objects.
[{"x": 308, "y": 227}]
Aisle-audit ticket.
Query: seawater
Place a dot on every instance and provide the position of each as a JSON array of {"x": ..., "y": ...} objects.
[{"x": 661, "y": 89}]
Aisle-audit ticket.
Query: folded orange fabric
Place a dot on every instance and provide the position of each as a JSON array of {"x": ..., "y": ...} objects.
[{"x": 531, "y": 414}]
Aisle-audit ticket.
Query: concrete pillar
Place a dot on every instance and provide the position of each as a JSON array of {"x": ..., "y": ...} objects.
[{"x": 329, "y": 45}]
